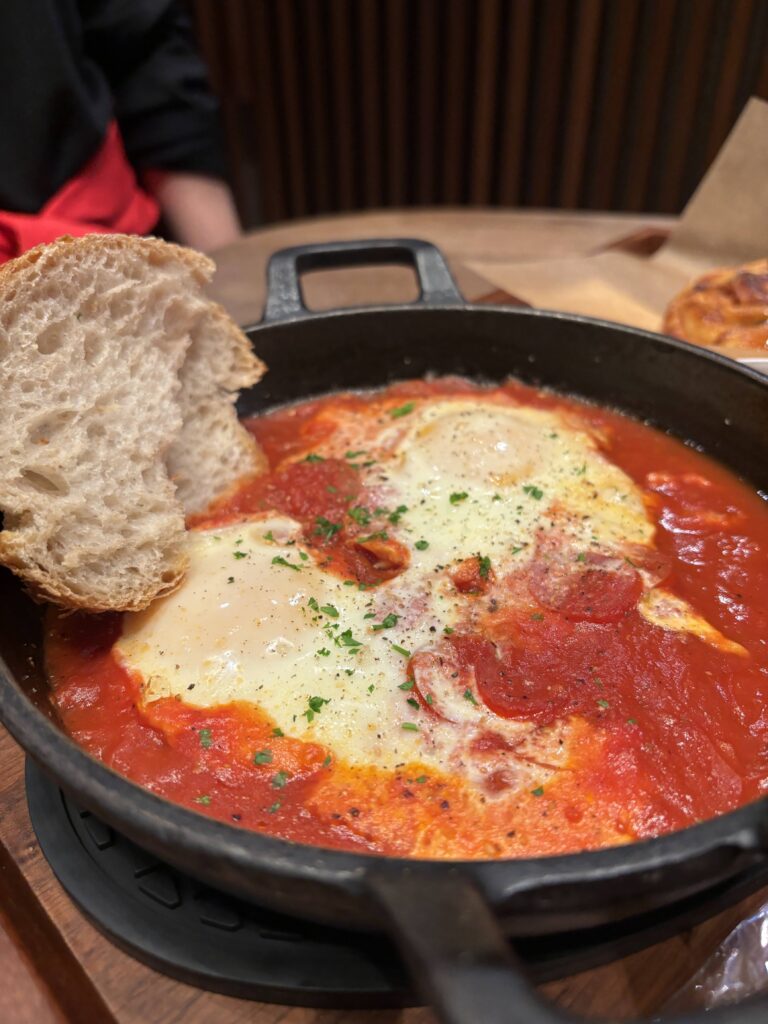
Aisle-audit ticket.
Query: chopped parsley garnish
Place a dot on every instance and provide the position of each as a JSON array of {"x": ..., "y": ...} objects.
[
  {"x": 269, "y": 535},
  {"x": 279, "y": 780},
  {"x": 496, "y": 497},
  {"x": 539, "y": 791},
  {"x": 421, "y": 779},
  {"x": 402, "y": 410},
  {"x": 278, "y": 732},
  {"x": 413, "y": 702},
  {"x": 458, "y": 496},
  {"x": 602, "y": 703},
  {"x": 387, "y": 622},
  {"x": 331, "y": 489},
  {"x": 533, "y": 491},
  {"x": 239, "y": 554},
  {"x": 371, "y": 688},
  {"x": 312, "y": 602},
  {"x": 354, "y": 455},
  {"x": 429, "y": 699},
  {"x": 517, "y": 550},
  {"x": 275, "y": 807},
  {"x": 262, "y": 757},
  {"x": 346, "y": 639},
  {"x": 361, "y": 515},
  {"x": 407, "y": 685},
  {"x": 349, "y": 583},
  {"x": 410, "y": 726},
  {"x": 448, "y": 630},
  {"x": 313, "y": 457},
  {"x": 279, "y": 560},
  {"x": 582, "y": 470},
  {"x": 206, "y": 738},
  {"x": 324, "y": 652},
  {"x": 581, "y": 557},
  {"x": 303, "y": 556},
  {"x": 328, "y": 609},
  {"x": 537, "y": 617},
  {"x": 205, "y": 800},
  {"x": 421, "y": 545},
  {"x": 401, "y": 650},
  {"x": 327, "y": 760},
  {"x": 325, "y": 528},
  {"x": 631, "y": 721},
  {"x": 468, "y": 695},
  {"x": 315, "y": 707},
  {"x": 394, "y": 517},
  {"x": 484, "y": 564},
  {"x": 379, "y": 535}
]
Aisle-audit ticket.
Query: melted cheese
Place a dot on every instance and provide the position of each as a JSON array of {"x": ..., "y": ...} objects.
[
  {"x": 258, "y": 620},
  {"x": 242, "y": 628},
  {"x": 671, "y": 612}
]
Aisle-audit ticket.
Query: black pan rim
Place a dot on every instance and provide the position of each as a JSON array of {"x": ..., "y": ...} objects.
[
  {"x": 656, "y": 337},
  {"x": 122, "y": 801}
]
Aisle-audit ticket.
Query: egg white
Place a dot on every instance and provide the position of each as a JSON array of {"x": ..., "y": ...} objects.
[
  {"x": 491, "y": 478},
  {"x": 259, "y": 619}
]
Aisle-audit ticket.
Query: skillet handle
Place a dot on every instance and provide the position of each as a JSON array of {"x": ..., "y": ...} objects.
[
  {"x": 463, "y": 965},
  {"x": 284, "y": 297}
]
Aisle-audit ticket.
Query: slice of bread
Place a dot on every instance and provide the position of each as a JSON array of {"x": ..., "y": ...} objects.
[
  {"x": 118, "y": 381},
  {"x": 213, "y": 450}
]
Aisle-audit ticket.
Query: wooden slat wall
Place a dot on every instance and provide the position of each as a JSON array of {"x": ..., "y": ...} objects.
[{"x": 333, "y": 105}]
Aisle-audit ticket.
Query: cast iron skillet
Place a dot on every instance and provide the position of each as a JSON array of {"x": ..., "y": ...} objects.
[{"x": 449, "y": 918}]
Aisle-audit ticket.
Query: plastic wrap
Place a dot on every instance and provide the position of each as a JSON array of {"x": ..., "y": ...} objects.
[{"x": 737, "y": 969}]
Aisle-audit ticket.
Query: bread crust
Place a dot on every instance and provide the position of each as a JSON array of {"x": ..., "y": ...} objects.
[
  {"x": 44, "y": 588},
  {"x": 42, "y": 256}
]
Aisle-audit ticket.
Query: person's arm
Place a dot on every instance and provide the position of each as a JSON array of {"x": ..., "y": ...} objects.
[
  {"x": 198, "y": 210},
  {"x": 167, "y": 114}
]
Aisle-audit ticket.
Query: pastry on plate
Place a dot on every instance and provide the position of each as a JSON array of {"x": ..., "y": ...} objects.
[{"x": 726, "y": 309}]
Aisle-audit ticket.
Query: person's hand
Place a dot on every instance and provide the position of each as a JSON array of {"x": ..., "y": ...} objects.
[{"x": 199, "y": 211}]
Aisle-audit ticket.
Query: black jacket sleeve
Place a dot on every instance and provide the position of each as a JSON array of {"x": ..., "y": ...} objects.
[{"x": 167, "y": 113}]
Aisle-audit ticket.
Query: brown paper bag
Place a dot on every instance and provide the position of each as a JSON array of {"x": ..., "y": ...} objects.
[{"x": 725, "y": 223}]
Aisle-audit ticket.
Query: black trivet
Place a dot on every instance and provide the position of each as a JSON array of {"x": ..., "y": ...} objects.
[{"x": 180, "y": 927}]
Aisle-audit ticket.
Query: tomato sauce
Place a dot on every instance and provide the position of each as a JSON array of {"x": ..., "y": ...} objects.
[{"x": 672, "y": 729}]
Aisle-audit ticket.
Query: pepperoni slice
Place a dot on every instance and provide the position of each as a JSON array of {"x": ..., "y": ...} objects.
[
  {"x": 654, "y": 565},
  {"x": 473, "y": 575},
  {"x": 440, "y": 680},
  {"x": 377, "y": 558},
  {"x": 588, "y": 588},
  {"x": 501, "y": 679},
  {"x": 459, "y": 674}
]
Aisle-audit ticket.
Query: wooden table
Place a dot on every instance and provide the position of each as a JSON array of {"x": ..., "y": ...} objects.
[
  {"x": 465, "y": 236},
  {"x": 54, "y": 965}
]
